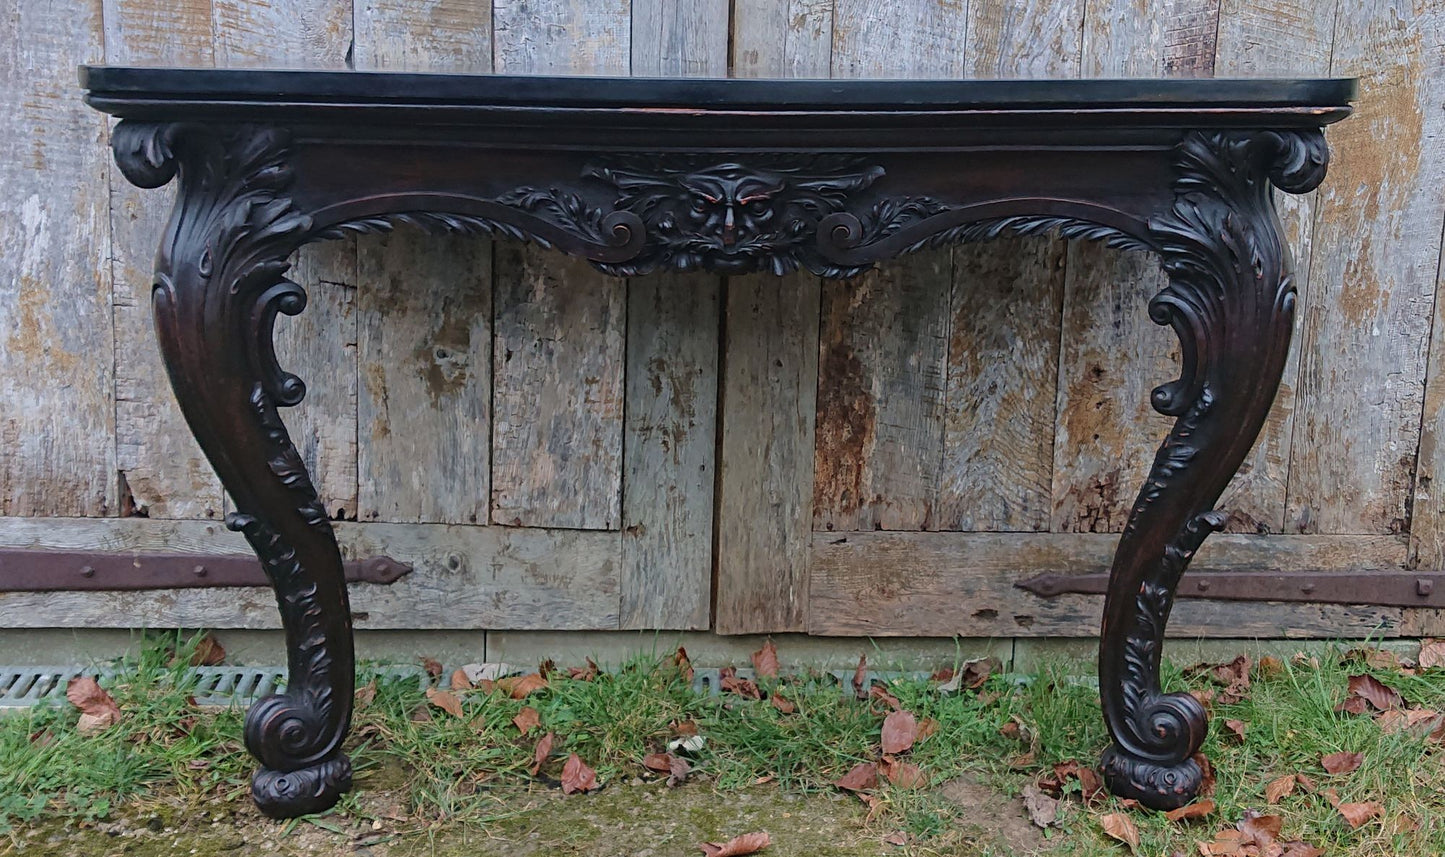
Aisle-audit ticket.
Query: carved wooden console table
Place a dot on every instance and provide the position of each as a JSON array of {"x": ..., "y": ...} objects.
[{"x": 731, "y": 176}]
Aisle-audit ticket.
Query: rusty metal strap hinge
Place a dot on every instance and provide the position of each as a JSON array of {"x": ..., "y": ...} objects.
[
  {"x": 49, "y": 571},
  {"x": 1365, "y": 588}
]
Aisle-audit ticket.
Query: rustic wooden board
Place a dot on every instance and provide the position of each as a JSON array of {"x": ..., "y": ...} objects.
[
  {"x": 942, "y": 584},
  {"x": 424, "y": 318},
  {"x": 883, "y": 345},
  {"x": 1003, "y": 364},
  {"x": 997, "y": 466},
  {"x": 670, "y": 443},
  {"x": 680, "y": 38},
  {"x": 557, "y": 370},
  {"x": 57, "y": 452},
  {"x": 465, "y": 577},
  {"x": 769, "y": 378},
  {"x": 424, "y": 310},
  {"x": 1373, "y": 277},
  {"x": 319, "y": 346},
  {"x": 162, "y": 470},
  {"x": 1275, "y": 37}
]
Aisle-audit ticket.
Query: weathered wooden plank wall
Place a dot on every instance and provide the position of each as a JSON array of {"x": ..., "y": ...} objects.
[{"x": 895, "y": 451}]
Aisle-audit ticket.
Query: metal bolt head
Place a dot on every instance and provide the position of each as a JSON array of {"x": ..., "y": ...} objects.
[
  {"x": 87, "y": 571},
  {"x": 1307, "y": 588},
  {"x": 1203, "y": 585},
  {"x": 199, "y": 571},
  {"x": 1424, "y": 586}
]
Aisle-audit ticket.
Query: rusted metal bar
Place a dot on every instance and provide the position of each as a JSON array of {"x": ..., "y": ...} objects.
[
  {"x": 48, "y": 571},
  {"x": 1375, "y": 588}
]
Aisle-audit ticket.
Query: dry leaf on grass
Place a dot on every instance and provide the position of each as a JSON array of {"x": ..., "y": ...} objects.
[
  {"x": 587, "y": 673},
  {"x": 748, "y": 843},
  {"x": 1236, "y": 728},
  {"x": 904, "y": 775},
  {"x": 1380, "y": 696},
  {"x": 860, "y": 678},
  {"x": 729, "y": 682},
  {"x": 900, "y": 730},
  {"x": 972, "y": 675},
  {"x": 926, "y": 727},
  {"x": 1432, "y": 654},
  {"x": 862, "y": 778},
  {"x": 1198, "y": 809},
  {"x": 432, "y": 666},
  {"x": 1342, "y": 763},
  {"x": 527, "y": 720},
  {"x": 521, "y": 686},
  {"x": 1356, "y": 814},
  {"x": 97, "y": 709},
  {"x": 445, "y": 700},
  {"x": 682, "y": 662},
  {"x": 542, "y": 751},
  {"x": 880, "y": 693},
  {"x": 782, "y": 703},
  {"x": 1422, "y": 721},
  {"x": 1270, "y": 666},
  {"x": 1262, "y": 829},
  {"x": 365, "y": 695},
  {"x": 1043, "y": 810},
  {"x": 675, "y": 767},
  {"x": 1121, "y": 827},
  {"x": 897, "y": 838},
  {"x": 208, "y": 653},
  {"x": 765, "y": 660},
  {"x": 578, "y": 777},
  {"x": 1280, "y": 788}
]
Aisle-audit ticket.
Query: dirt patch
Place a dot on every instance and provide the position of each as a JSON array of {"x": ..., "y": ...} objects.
[{"x": 1000, "y": 821}]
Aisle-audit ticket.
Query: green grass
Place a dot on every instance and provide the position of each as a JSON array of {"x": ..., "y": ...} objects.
[{"x": 450, "y": 771}]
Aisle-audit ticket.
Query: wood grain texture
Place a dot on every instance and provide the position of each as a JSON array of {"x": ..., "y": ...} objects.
[
  {"x": 997, "y": 467},
  {"x": 1280, "y": 37},
  {"x": 162, "y": 470},
  {"x": 941, "y": 584},
  {"x": 558, "y": 392},
  {"x": 670, "y": 445},
  {"x": 910, "y": 39},
  {"x": 57, "y": 452},
  {"x": 1003, "y": 360},
  {"x": 464, "y": 577},
  {"x": 319, "y": 346},
  {"x": 765, "y": 467},
  {"x": 680, "y": 38},
  {"x": 769, "y": 377},
  {"x": 557, "y": 369},
  {"x": 424, "y": 310},
  {"x": 883, "y": 345},
  {"x": 1373, "y": 278}
]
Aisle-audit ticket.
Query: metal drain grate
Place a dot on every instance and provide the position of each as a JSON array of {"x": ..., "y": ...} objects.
[{"x": 708, "y": 680}]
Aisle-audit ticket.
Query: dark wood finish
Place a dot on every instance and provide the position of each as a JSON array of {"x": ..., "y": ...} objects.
[
  {"x": 68, "y": 571},
  {"x": 731, "y": 176}
]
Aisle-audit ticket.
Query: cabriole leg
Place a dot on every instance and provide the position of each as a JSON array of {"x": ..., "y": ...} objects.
[
  {"x": 1231, "y": 301},
  {"x": 219, "y": 286}
]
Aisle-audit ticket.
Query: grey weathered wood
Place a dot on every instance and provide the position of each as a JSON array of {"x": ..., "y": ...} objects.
[
  {"x": 1258, "y": 37},
  {"x": 882, "y": 350},
  {"x": 680, "y": 38},
  {"x": 465, "y": 577},
  {"x": 557, "y": 370},
  {"x": 1372, "y": 277},
  {"x": 997, "y": 465},
  {"x": 424, "y": 310},
  {"x": 423, "y": 35},
  {"x": 1003, "y": 361},
  {"x": 164, "y": 473},
  {"x": 319, "y": 346},
  {"x": 944, "y": 584},
  {"x": 424, "y": 307},
  {"x": 670, "y": 444},
  {"x": 782, "y": 38},
  {"x": 558, "y": 392},
  {"x": 769, "y": 378},
  {"x": 57, "y": 452},
  {"x": 908, "y": 39}
]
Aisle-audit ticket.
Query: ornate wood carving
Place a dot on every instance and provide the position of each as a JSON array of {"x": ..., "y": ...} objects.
[{"x": 1230, "y": 299}]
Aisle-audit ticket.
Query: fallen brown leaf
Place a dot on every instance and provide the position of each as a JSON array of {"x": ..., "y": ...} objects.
[
  {"x": 1042, "y": 809},
  {"x": 1381, "y": 696},
  {"x": 542, "y": 752},
  {"x": 900, "y": 730},
  {"x": 1342, "y": 762},
  {"x": 904, "y": 775},
  {"x": 1356, "y": 814},
  {"x": 445, "y": 700},
  {"x": 860, "y": 678},
  {"x": 765, "y": 660},
  {"x": 459, "y": 680},
  {"x": 546, "y": 668},
  {"x": 1198, "y": 809},
  {"x": 682, "y": 662},
  {"x": 926, "y": 727},
  {"x": 1432, "y": 654},
  {"x": 365, "y": 695},
  {"x": 1262, "y": 829},
  {"x": 1380, "y": 659},
  {"x": 521, "y": 686},
  {"x": 897, "y": 838},
  {"x": 587, "y": 673},
  {"x": 748, "y": 843},
  {"x": 1301, "y": 849},
  {"x": 1278, "y": 789},
  {"x": 678, "y": 771},
  {"x": 659, "y": 762},
  {"x": 782, "y": 703},
  {"x": 432, "y": 666},
  {"x": 880, "y": 693},
  {"x": 1236, "y": 728},
  {"x": 729, "y": 682},
  {"x": 208, "y": 652},
  {"x": 577, "y": 776},
  {"x": 863, "y": 777},
  {"x": 527, "y": 719},
  {"x": 1270, "y": 666},
  {"x": 1206, "y": 783},
  {"x": 1119, "y": 826},
  {"x": 97, "y": 709}
]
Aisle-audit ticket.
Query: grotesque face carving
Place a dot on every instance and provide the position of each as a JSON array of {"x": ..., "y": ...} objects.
[{"x": 732, "y": 203}]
